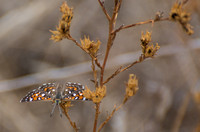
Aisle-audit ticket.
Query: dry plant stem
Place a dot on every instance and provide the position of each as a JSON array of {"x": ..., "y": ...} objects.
[
  {"x": 104, "y": 10},
  {"x": 73, "y": 124},
  {"x": 79, "y": 45},
  {"x": 96, "y": 116},
  {"x": 112, "y": 113},
  {"x": 94, "y": 73},
  {"x": 139, "y": 23},
  {"x": 111, "y": 37},
  {"x": 119, "y": 70}
]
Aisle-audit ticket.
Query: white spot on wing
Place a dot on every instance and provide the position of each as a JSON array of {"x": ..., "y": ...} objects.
[{"x": 30, "y": 99}]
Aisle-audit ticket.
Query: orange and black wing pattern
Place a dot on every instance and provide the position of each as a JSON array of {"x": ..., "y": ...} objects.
[
  {"x": 45, "y": 92},
  {"x": 73, "y": 91}
]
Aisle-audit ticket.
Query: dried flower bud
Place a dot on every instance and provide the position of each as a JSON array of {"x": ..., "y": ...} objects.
[
  {"x": 147, "y": 49},
  {"x": 91, "y": 46},
  {"x": 145, "y": 38},
  {"x": 180, "y": 15},
  {"x": 63, "y": 29},
  {"x": 97, "y": 95},
  {"x": 132, "y": 86},
  {"x": 66, "y": 105},
  {"x": 175, "y": 12},
  {"x": 158, "y": 16},
  {"x": 151, "y": 50}
]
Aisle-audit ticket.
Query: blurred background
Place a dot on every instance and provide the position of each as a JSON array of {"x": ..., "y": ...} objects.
[{"x": 167, "y": 83}]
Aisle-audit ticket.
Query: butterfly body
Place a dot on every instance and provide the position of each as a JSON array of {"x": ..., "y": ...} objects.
[{"x": 56, "y": 93}]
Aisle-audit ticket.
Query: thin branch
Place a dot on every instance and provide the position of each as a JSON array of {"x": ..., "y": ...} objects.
[
  {"x": 113, "y": 75},
  {"x": 111, "y": 37},
  {"x": 112, "y": 113},
  {"x": 139, "y": 23},
  {"x": 79, "y": 45},
  {"x": 94, "y": 73},
  {"x": 73, "y": 124},
  {"x": 96, "y": 116},
  {"x": 119, "y": 70},
  {"x": 97, "y": 63},
  {"x": 109, "y": 117},
  {"x": 104, "y": 9}
]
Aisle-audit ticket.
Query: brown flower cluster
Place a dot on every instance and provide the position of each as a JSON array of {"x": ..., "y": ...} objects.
[
  {"x": 148, "y": 50},
  {"x": 180, "y": 15},
  {"x": 63, "y": 29},
  {"x": 97, "y": 95},
  {"x": 132, "y": 86},
  {"x": 90, "y": 46}
]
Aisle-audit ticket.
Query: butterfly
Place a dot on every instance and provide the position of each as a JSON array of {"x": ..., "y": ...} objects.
[{"x": 56, "y": 93}]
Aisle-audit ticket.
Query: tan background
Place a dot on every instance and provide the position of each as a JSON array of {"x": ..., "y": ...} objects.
[{"x": 28, "y": 58}]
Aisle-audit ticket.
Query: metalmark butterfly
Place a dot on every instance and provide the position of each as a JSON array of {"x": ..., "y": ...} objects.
[{"x": 56, "y": 93}]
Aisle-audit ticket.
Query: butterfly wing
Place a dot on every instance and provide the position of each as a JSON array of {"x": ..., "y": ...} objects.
[
  {"x": 45, "y": 92},
  {"x": 73, "y": 91}
]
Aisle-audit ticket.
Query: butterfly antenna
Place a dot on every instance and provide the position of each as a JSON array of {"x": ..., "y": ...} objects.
[
  {"x": 60, "y": 110},
  {"x": 53, "y": 109}
]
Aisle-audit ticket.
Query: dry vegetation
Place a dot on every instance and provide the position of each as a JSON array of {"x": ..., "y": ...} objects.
[{"x": 101, "y": 44}]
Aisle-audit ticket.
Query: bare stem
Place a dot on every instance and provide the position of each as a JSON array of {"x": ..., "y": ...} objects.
[
  {"x": 94, "y": 73},
  {"x": 96, "y": 116},
  {"x": 73, "y": 124},
  {"x": 104, "y": 10},
  {"x": 139, "y": 23},
  {"x": 112, "y": 113},
  {"x": 119, "y": 70},
  {"x": 111, "y": 37}
]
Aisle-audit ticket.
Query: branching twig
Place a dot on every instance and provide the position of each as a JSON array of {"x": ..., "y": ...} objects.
[
  {"x": 139, "y": 23},
  {"x": 111, "y": 37},
  {"x": 73, "y": 124},
  {"x": 112, "y": 113},
  {"x": 104, "y": 10},
  {"x": 119, "y": 70},
  {"x": 79, "y": 45}
]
